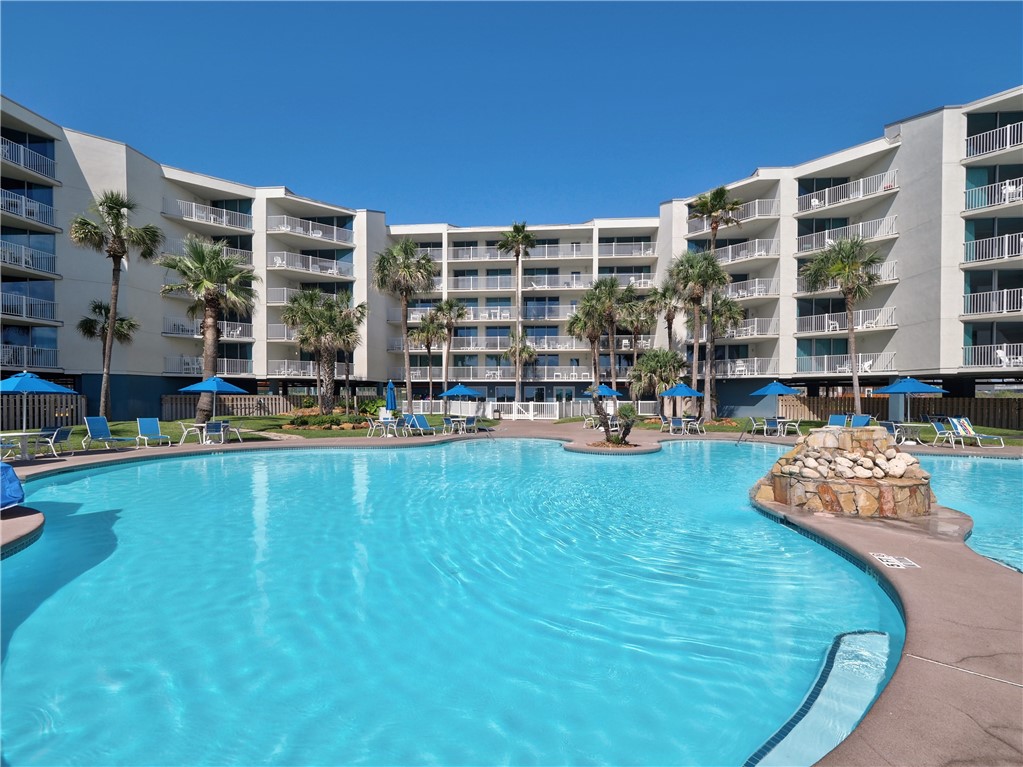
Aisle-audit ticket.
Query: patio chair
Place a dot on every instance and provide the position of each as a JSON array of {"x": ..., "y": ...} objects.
[
  {"x": 755, "y": 425},
  {"x": 54, "y": 437},
  {"x": 189, "y": 428},
  {"x": 678, "y": 426},
  {"x": 374, "y": 426},
  {"x": 697, "y": 427},
  {"x": 837, "y": 420},
  {"x": 448, "y": 426},
  {"x": 8, "y": 449},
  {"x": 942, "y": 434},
  {"x": 859, "y": 421},
  {"x": 215, "y": 433},
  {"x": 665, "y": 424},
  {"x": 964, "y": 430},
  {"x": 794, "y": 426},
  {"x": 774, "y": 426},
  {"x": 892, "y": 429},
  {"x": 229, "y": 430},
  {"x": 418, "y": 423},
  {"x": 99, "y": 431},
  {"x": 149, "y": 428},
  {"x": 470, "y": 425}
]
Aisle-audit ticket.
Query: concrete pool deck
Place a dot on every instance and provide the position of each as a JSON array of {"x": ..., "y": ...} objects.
[{"x": 957, "y": 694}]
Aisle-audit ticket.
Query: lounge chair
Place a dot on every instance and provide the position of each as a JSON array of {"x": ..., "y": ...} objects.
[
  {"x": 837, "y": 420},
  {"x": 678, "y": 426},
  {"x": 964, "y": 430},
  {"x": 8, "y": 449},
  {"x": 99, "y": 431},
  {"x": 942, "y": 434},
  {"x": 755, "y": 425},
  {"x": 53, "y": 438},
  {"x": 414, "y": 423},
  {"x": 859, "y": 421},
  {"x": 892, "y": 429},
  {"x": 374, "y": 426},
  {"x": 149, "y": 428}
]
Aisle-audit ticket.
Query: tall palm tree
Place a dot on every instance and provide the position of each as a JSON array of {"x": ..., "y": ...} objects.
[
  {"x": 403, "y": 271},
  {"x": 348, "y": 338},
  {"x": 115, "y": 237},
  {"x": 430, "y": 333},
  {"x": 520, "y": 352},
  {"x": 639, "y": 317},
  {"x": 668, "y": 299},
  {"x": 217, "y": 282},
  {"x": 306, "y": 313},
  {"x": 728, "y": 315},
  {"x": 655, "y": 371},
  {"x": 451, "y": 311},
  {"x": 702, "y": 275},
  {"x": 518, "y": 241},
  {"x": 96, "y": 326},
  {"x": 611, "y": 299},
  {"x": 588, "y": 324},
  {"x": 850, "y": 264},
  {"x": 717, "y": 206}
]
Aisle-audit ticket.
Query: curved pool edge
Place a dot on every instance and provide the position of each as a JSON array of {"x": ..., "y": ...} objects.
[{"x": 955, "y": 696}]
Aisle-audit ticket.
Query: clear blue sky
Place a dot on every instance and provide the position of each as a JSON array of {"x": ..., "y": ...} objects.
[{"x": 485, "y": 113}]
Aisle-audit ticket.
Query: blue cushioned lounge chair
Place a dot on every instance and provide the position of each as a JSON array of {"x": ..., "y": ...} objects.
[
  {"x": 860, "y": 420},
  {"x": 837, "y": 420},
  {"x": 414, "y": 423},
  {"x": 99, "y": 431},
  {"x": 149, "y": 428}
]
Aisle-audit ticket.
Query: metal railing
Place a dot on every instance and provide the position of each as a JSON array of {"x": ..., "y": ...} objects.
[
  {"x": 501, "y": 282},
  {"x": 745, "y": 251},
  {"x": 742, "y": 368},
  {"x": 854, "y": 190},
  {"x": 868, "y": 230},
  {"x": 863, "y": 319},
  {"x": 1002, "y": 193},
  {"x": 19, "y": 205},
  {"x": 886, "y": 271},
  {"x": 28, "y": 158},
  {"x": 280, "y": 259},
  {"x": 308, "y": 229},
  {"x": 527, "y": 411},
  {"x": 25, "y": 357},
  {"x": 291, "y": 368},
  {"x": 13, "y": 305},
  {"x": 175, "y": 247},
  {"x": 880, "y": 362},
  {"x": 280, "y": 295},
  {"x": 437, "y": 254},
  {"x": 506, "y": 373},
  {"x": 207, "y": 214},
  {"x": 557, "y": 281},
  {"x": 478, "y": 252},
  {"x": 192, "y": 366},
  {"x": 995, "y": 140},
  {"x": 752, "y": 288},
  {"x": 994, "y": 302},
  {"x": 1006, "y": 246},
  {"x": 185, "y": 327},
  {"x": 754, "y": 326},
  {"x": 279, "y": 332},
  {"x": 547, "y": 312},
  {"x": 621, "y": 249},
  {"x": 993, "y": 356},
  {"x": 563, "y": 250},
  {"x": 12, "y": 254},
  {"x": 748, "y": 210}
]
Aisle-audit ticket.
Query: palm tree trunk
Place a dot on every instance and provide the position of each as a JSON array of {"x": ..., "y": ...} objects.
[
  {"x": 210, "y": 339},
  {"x": 669, "y": 321},
  {"x": 518, "y": 326},
  {"x": 429, "y": 373},
  {"x": 708, "y": 394},
  {"x": 696, "y": 348},
  {"x": 444, "y": 370},
  {"x": 612, "y": 342},
  {"x": 408, "y": 356},
  {"x": 595, "y": 354},
  {"x": 853, "y": 362},
  {"x": 108, "y": 340},
  {"x": 328, "y": 379},
  {"x": 348, "y": 381},
  {"x": 635, "y": 359}
]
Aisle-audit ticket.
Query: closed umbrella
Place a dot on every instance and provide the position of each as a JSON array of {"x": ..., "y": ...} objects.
[
  {"x": 26, "y": 383},
  {"x": 390, "y": 399},
  {"x": 11, "y": 492},
  {"x": 774, "y": 388},
  {"x": 907, "y": 386},
  {"x": 214, "y": 384}
]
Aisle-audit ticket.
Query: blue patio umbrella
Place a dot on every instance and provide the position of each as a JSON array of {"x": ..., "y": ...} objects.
[
  {"x": 216, "y": 385},
  {"x": 774, "y": 388},
  {"x": 907, "y": 386},
  {"x": 461, "y": 390},
  {"x": 26, "y": 383},
  {"x": 11, "y": 492},
  {"x": 681, "y": 390},
  {"x": 390, "y": 399},
  {"x": 606, "y": 391}
]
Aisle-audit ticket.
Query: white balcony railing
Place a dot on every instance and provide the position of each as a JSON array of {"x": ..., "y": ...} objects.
[
  {"x": 547, "y": 312},
  {"x": 189, "y": 328},
  {"x": 993, "y": 356},
  {"x": 747, "y": 211},
  {"x": 868, "y": 230},
  {"x": 994, "y": 302},
  {"x": 478, "y": 253},
  {"x": 563, "y": 250},
  {"x": 280, "y": 296},
  {"x": 880, "y": 362},
  {"x": 13, "y": 305},
  {"x": 206, "y": 214},
  {"x": 503, "y": 373},
  {"x": 25, "y": 357},
  {"x": 312, "y": 264},
  {"x": 175, "y": 247},
  {"x": 291, "y": 368},
  {"x": 745, "y": 251},
  {"x": 1001, "y": 193},
  {"x": 995, "y": 140},
  {"x": 279, "y": 332},
  {"x": 28, "y": 158},
  {"x": 887, "y": 271},
  {"x": 754, "y": 326},
  {"x": 19, "y": 205},
  {"x": 576, "y": 281},
  {"x": 837, "y": 322},
  {"x": 854, "y": 190},
  {"x": 308, "y": 228},
  {"x": 12, "y": 254},
  {"x": 501, "y": 282},
  {"x": 436, "y": 254},
  {"x": 991, "y": 248},
  {"x": 622, "y": 249},
  {"x": 752, "y": 288},
  {"x": 742, "y": 368},
  {"x": 192, "y": 366}
]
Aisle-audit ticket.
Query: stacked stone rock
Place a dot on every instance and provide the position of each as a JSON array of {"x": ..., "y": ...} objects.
[{"x": 856, "y": 472}]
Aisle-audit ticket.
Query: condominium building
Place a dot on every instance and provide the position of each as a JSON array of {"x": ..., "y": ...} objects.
[{"x": 939, "y": 195}]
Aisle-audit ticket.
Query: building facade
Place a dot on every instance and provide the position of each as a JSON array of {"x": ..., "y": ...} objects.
[{"x": 939, "y": 195}]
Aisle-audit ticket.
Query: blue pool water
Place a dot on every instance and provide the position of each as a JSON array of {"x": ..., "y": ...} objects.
[
  {"x": 473, "y": 603},
  {"x": 989, "y": 490}
]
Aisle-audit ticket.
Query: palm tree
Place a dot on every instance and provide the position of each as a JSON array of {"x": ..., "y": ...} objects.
[
  {"x": 348, "y": 338},
  {"x": 451, "y": 311},
  {"x": 518, "y": 242},
  {"x": 718, "y": 207},
  {"x": 611, "y": 299},
  {"x": 667, "y": 299},
  {"x": 702, "y": 275},
  {"x": 217, "y": 282},
  {"x": 431, "y": 331},
  {"x": 96, "y": 326},
  {"x": 854, "y": 268},
  {"x": 114, "y": 236},
  {"x": 655, "y": 371},
  {"x": 306, "y": 313},
  {"x": 403, "y": 271},
  {"x": 587, "y": 324},
  {"x": 520, "y": 352},
  {"x": 728, "y": 315},
  {"x": 638, "y": 317}
]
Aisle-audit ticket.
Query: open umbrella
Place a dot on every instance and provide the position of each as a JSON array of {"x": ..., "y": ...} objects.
[
  {"x": 907, "y": 386},
  {"x": 214, "y": 384},
  {"x": 26, "y": 383},
  {"x": 606, "y": 391},
  {"x": 681, "y": 390},
  {"x": 390, "y": 399},
  {"x": 774, "y": 388},
  {"x": 461, "y": 390}
]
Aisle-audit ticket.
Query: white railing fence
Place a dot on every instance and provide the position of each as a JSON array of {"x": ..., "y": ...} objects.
[
  {"x": 22, "y": 206},
  {"x": 862, "y": 187},
  {"x": 881, "y": 362},
  {"x": 745, "y": 251},
  {"x": 746, "y": 211},
  {"x": 13, "y": 305},
  {"x": 196, "y": 211},
  {"x": 863, "y": 319},
  {"x": 28, "y": 158},
  {"x": 993, "y": 356},
  {"x": 995, "y": 140},
  {"x": 995, "y": 194},
  {"x": 308, "y": 228},
  {"x": 868, "y": 230},
  {"x": 1006, "y": 246},
  {"x": 25, "y": 357},
  {"x": 994, "y": 302},
  {"x": 12, "y": 254},
  {"x": 887, "y": 271}
]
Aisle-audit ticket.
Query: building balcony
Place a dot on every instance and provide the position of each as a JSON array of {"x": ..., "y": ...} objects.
[
  {"x": 566, "y": 250},
  {"x": 878, "y": 229},
  {"x": 758, "y": 288},
  {"x": 997, "y": 140},
  {"x": 559, "y": 281},
  {"x": 192, "y": 366},
  {"x": 841, "y": 364},
  {"x": 887, "y": 272},
  {"x": 1005, "y": 194},
  {"x": 502, "y": 373},
  {"x": 626, "y": 249},
  {"x": 837, "y": 323},
  {"x": 746, "y": 367},
  {"x": 993, "y": 249},
  {"x": 183, "y": 327},
  {"x": 296, "y": 262},
  {"x": 746, "y": 212},
  {"x": 754, "y": 250},
  {"x": 994, "y": 302},
  {"x": 478, "y": 253},
  {"x": 860, "y": 189},
  {"x": 291, "y": 369},
  {"x": 478, "y": 283},
  {"x": 279, "y": 332},
  {"x": 33, "y": 309},
  {"x": 211, "y": 220},
  {"x": 28, "y": 357},
  {"x": 177, "y": 248},
  {"x": 547, "y": 312},
  {"x": 1008, "y": 357},
  {"x": 754, "y": 327},
  {"x": 301, "y": 228},
  {"x": 12, "y": 203},
  {"x": 436, "y": 254},
  {"x": 280, "y": 296},
  {"x": 27, "y": 159},
  {"x": 19, "y": 259}
]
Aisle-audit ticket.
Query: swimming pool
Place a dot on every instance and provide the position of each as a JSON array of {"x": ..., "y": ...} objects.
[
  {"x": 471, "y": 603},
  {"x": 989, "y": 490}
]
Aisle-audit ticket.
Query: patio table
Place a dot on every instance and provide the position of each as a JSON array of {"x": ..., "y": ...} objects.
[
  {"x": 23, "y": 437},
  {"x": 911, "y": 432}
]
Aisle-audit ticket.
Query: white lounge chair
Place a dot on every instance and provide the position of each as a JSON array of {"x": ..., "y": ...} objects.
[{"x": 964, "y": 430}]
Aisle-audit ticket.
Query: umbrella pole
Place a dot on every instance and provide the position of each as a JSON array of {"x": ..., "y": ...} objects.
[{"x": 24, "y": 411}]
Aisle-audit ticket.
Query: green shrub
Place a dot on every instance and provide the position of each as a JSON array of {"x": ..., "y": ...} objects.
[
  {"x": 371, "y": 407},
  {"x": 308, "y": 401}
]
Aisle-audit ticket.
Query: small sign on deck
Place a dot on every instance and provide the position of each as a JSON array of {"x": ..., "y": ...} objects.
[{"x": 900, "y": 563}]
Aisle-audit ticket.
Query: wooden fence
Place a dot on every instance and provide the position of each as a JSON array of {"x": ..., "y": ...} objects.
[
  {"x": 997, "y": 413},
  {"x": 181, "y": 407},
  {"x": 41, "y": 410}
]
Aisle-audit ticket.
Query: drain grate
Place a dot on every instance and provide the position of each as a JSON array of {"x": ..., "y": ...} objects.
[{"x": 899, "y": 563}]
